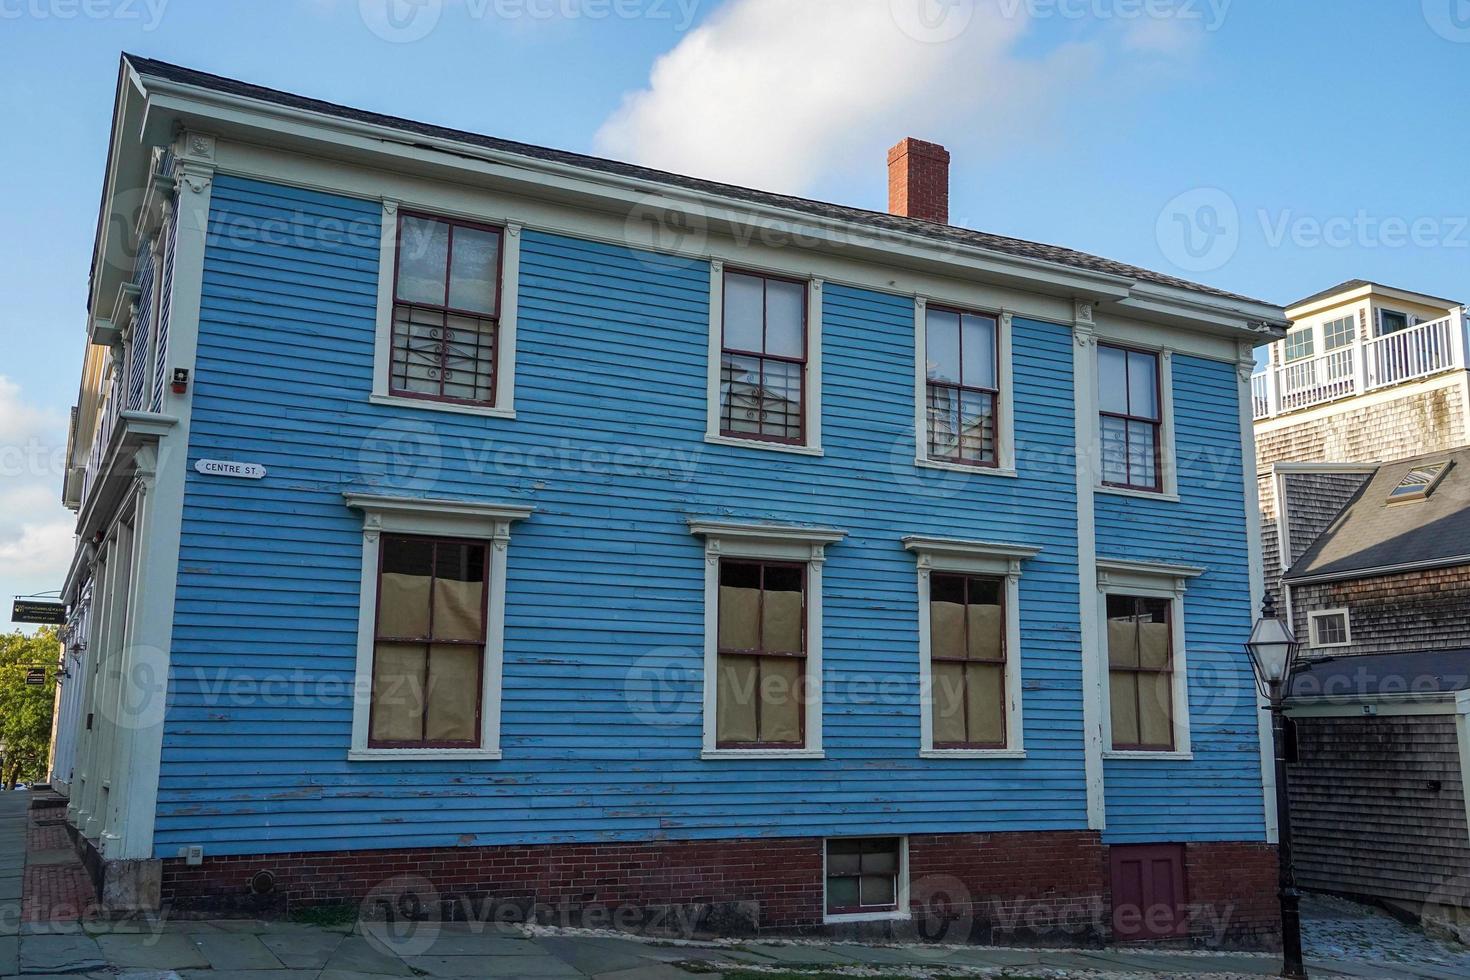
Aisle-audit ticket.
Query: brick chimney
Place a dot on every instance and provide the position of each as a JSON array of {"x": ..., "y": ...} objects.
[{"x": 918, "y": 181}]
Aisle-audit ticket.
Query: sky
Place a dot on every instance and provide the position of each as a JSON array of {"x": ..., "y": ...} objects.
[{"x": 1268, "y": 147}]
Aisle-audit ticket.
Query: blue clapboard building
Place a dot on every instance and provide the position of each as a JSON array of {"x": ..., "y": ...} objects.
[{"x": 556, "y": 530}]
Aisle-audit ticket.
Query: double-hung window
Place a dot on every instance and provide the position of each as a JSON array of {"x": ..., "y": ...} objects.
[
  {"x": 430, "y": 626},
  {"x": 962, "y": 395},
  {"x": 429, "y": 644},
  {"x": 763, "y": 358},
  {"x": 1131, "y": 418},
  {"x": 1141, "y": 672},
  {"x": 445, "y": 332},
  {"x": 762, "y": 654},
  {"x": 763, "y": 638},
  {"x": 967, "y": 656}
]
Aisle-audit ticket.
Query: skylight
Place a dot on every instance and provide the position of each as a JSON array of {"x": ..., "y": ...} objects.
[{"x": 1419, "y": 482}]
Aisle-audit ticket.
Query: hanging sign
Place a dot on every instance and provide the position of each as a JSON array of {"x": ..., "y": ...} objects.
[
  {"x": 36, "y": 677},
  {"x": 39, "y": 612},
  {"x": 230, "y": 468}
]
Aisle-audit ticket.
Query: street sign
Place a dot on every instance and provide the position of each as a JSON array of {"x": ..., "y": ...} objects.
[
  {"x": 230, "y": 468},
  {"x": 38, "y": 611},
  {"x": 36, "y": 677}
]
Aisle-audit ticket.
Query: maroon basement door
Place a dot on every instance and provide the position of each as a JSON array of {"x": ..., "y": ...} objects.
[{"x": 1148, "y": 892}]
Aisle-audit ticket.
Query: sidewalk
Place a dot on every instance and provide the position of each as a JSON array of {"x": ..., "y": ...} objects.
[{"x": 49, "y": 930}]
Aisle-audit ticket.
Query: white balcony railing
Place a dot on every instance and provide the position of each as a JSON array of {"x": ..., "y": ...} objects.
[{"x": 1405, "y": 355}]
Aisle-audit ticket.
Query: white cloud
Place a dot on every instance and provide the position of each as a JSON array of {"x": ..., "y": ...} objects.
[
  {"x": 772, "y": 93},
  {"x": 35, "y": 530}
]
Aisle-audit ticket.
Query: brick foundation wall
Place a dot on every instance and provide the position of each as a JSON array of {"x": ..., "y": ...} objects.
[
  {"x": 1045, "y": 888},
  {"x": 1233, "y": 888}
]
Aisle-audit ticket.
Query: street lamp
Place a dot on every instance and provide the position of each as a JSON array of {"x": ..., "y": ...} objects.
[{"x": 1273, "y": 651}]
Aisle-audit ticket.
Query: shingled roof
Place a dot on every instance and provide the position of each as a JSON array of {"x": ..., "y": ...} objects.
[
  {"x": 1371, "y": 535},
  {"x": 946, "y": 233},
  {"x": 1352, "y": 284}
]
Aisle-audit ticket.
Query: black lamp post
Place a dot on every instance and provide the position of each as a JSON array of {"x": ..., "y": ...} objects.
[{"x": 1273, "y": 651}]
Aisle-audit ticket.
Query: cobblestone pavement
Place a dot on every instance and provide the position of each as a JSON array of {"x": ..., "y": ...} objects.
[{"x": 53, "y": 934}]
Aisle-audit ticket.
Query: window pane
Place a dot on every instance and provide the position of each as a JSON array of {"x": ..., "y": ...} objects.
[
  {"x": 744, "y": 310},
  {"x": 987, "y": 629},
  {"x": 1153, "y": 634},
  {"x": 947, "y": 616},
  {"x": 475, "y": 271},
  {"x": 781, "y": 400},
  {"x": 739, "y": 611},
  {"x": 740, "y": 399},
  {"x": 1123, "y": 643},
  {"x": 782, "y": 615},
  {"x": 944, "y": 422},
  {"x": 977, "y": 426},
  {"x": 398, "y": 692},
  {"x": 880, "y": 858},
  {"x": 780, "y": 697},
  {"x": 843, "y": 859},
  {"x": 459, "y": 592},
  {"x": 454, "y": 693},
  {"x": 878, "y": 890},
  {"x": 423, "y": 253},
  {"x": 469, "y": 349},
  {"x": 1143, "y": 385},
  {"x": 949, "y": 703},
  {"x": 785, "y": 318},
  {"x": 942, "y": 345},
  {"x": 404, "y": 587},
  {"x": 1142, "y": 462},
  {"x": 1112, "y": 379},
  {"x": 418, "y": 349},
  {"x": 979, "y": 351},
  {"x": 842, "y": 893},
  {"x": 1156, "y": 709},
  {"x": 1298, "y": 344},
  {"x": 735, "y": 699},
  {"x": 986, "y": 712},
  {"x": 1114, "y": 450},
  {"x": 1124, "y": 703},
  {"x": 1339, "y": 333}
]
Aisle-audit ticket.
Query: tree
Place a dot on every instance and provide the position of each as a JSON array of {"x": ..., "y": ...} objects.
[{"x": 25, "y": 711}]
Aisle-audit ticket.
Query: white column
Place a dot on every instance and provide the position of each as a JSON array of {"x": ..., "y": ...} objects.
[
  {"x": 1256, "y": 571},
  {"x": 1084, "y": 387}
]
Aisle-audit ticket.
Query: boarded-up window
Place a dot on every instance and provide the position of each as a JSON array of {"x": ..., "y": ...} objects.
[
  {"x": 1141, "y": 672},
  {"x": 863, "y": 874},
  {"x": 429, "y": 645},
  {"x": 967, "y": 661},
  {"x": 763, "y": 358},
  {"x": 446, "y": 311},
  {"x": 760, "y": 699}
]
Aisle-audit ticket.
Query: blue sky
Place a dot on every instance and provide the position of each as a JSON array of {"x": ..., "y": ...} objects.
[{"x": 1271, "y": 148}]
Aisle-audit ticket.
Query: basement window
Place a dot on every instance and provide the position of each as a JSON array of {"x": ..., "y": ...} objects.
[
  {"x": 1419, "y": 482},
  {"x": 865, "y": 878}
]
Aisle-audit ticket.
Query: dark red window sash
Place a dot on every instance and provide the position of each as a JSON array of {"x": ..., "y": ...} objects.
[
  {"x": 1140, "y": 671},
  {"x": 760, "y": 654},
  {"x": 447, "y": 311},
  {"x": 429, "y": 641},
  {"x": 800, "y": 438},
  {"x": 961, "y": 387},
  {"x": 1155, "y": 423},
  {"x": 1005, "y": 722}
]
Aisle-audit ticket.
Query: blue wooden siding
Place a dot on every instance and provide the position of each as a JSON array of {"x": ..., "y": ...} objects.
[
  {"x": 601, "y": 711},
  {"x": 1217, "y": 795}
]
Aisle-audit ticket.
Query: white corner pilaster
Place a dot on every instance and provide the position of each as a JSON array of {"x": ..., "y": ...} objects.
[{"x": 1084, "y": 387}]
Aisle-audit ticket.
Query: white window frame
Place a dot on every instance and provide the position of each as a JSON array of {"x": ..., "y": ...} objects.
[
  {"x": 436, "y": 518},
  {"x": 951, "y": 555},
  {"x": 510, "y": 276},
  {"x": 770, "y": 543},
  {"x": 1159, "y": 581},
  {"x": 1351, "y": 319},
  {"x": 901, "y": 891},
  {"x": 1005, "y": 426},
  {"x": 1170, "y": 476},
  {"x": 812, "y": 395},
  {"x": 1378, "y": 312},
  {"x": 1347, "y": 628}
]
